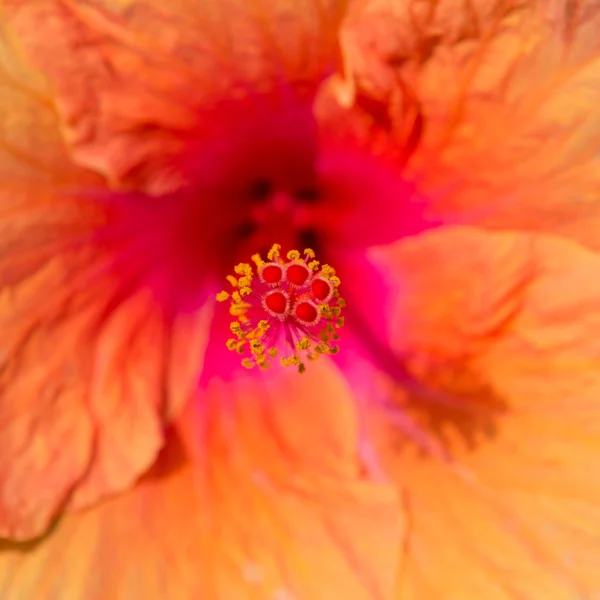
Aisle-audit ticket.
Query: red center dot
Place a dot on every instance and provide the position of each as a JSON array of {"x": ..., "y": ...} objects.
[
  {"x": 277, "y": 302},
  {"x": 321, "y": 289},
  {"x": 306, "y": 312},
  {"x": 271, "y": 273},
  {"x": 296, "y": 274}
]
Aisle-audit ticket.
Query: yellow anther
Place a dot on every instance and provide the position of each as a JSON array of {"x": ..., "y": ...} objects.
[
  {"x": 314, "y": 265},
  {"x": 263, "y": 325},
  {"x": 341, "y": 302},
  {"x": 245, "y": 281},
  {"x": 303, "y": 344},
  {"x": 301, "y": 368},
  {"x": 261, "y": 360},
  {"x": 256, "y": 347},
  {"x": 245, "y": 291},
  {"x": 272, "y": 352},
  {"x": 231, "y": 344},
  {"x": 334, "y": 349},
  {"x": 240, "y": 347},
  {"x": 232, "y": 280},
  {"x": 248, "y": 363},
  {"x": 243, "y": 269},
  {"x": 292, "y": 360},
  {"x": 325, "y": 310},
  {"x": 222, "y": 296},
  {"x": 340, "y": 321},
  {"x": 238, "y": 310},
  {"x": 309, "y": 252},
  {"x": 274, "y": 252},
  {"x": 335, "y": 281},
  {"x": 336, "y": 311},
  {"x": 327, "y": 271},
  {"x": 236, "y": 328},
  {"x": 293, "y": 255},
  {"x": 257, "y": 260},
  {"x": 236, "y": 298}
]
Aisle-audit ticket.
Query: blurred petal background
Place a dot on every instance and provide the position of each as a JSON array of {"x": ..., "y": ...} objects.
[{"x": 443, "y": 156}]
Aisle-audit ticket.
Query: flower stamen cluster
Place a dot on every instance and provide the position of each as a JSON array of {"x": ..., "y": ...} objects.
[{"x": 288, "y": 308}]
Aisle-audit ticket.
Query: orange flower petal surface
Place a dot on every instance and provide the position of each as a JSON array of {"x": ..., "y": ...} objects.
[
  {"x": 503, "y": 101},
  {"x": 131, "y": 76},
  {"x": 259, "y": 494},
  {"x": 497, "y": 465},
  {"x": 89, "y": 368}
]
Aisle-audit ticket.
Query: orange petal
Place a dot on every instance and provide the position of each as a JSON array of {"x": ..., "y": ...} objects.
[
  {"x": 258, "y": 494},
  {"x": 89, "y": 370},
  {"x": 131, "y": 77},
  {"x": 31, "y": 147},
  {"x": 85, "y": 360},
  {"x": 506, "y": 94},
  {"x": 42, "y": 406},
  {"x": 503, "y": 501}
]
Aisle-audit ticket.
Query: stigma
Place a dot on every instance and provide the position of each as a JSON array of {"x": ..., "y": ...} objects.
[{"x": 287, "y": 309}]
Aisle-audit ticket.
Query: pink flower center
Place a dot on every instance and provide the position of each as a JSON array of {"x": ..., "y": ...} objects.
[{"x": 263, "y": 169}]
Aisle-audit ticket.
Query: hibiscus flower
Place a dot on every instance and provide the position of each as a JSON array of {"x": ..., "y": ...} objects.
[{"x": 441, "y": 160}]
